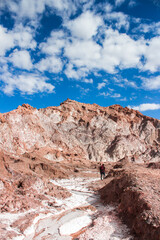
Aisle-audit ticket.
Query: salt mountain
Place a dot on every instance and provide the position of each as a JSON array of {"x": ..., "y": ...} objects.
[{"x": 78, "y": 131}]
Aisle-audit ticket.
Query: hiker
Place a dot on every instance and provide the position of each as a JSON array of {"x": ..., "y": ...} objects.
[{"x": 102, "y": 171}]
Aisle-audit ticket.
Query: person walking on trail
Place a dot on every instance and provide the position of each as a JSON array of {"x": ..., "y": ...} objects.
[{"x": 102, "y": 171}]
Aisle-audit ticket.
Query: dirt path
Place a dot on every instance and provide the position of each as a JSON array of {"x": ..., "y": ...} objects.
[{"x": 82, "y": 217}]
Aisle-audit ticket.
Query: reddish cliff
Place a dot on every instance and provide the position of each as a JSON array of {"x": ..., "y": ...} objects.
[{"x": 77, "y": 131}]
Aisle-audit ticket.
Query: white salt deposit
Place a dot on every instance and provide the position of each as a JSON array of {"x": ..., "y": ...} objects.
[
  {"x": 73, "y": 218},
  {"x": 75, "y": 225},
  {"x": 81, "y": 196}
]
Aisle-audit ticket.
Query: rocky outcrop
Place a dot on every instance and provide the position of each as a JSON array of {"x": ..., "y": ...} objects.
[
  {"x": 81, "y": 132},
  {"x": 25, "y": 183},
  {"x": 136, "y": 191}
]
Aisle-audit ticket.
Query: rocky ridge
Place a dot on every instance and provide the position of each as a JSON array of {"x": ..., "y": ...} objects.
[{"x": 78, "y": 131}]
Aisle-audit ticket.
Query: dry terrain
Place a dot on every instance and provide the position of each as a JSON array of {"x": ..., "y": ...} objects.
[{"x": 50, "y": 160}]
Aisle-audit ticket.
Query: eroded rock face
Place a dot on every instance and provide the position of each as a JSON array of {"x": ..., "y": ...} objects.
[
  {"x": 25, "y": 185},
  {"x": 135, "y": 189},
  {"x": 81, "y": 132}
]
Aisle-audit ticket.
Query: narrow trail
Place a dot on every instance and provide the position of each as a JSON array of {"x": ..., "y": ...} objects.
[{"x": 82, "y": 217}]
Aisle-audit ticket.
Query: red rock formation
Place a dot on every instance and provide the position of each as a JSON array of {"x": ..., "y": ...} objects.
[
  {"x": 77, "y": 131},
  {"x": 136, "y": 190}
]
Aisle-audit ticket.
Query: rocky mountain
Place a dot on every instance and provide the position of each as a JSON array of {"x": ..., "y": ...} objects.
[{"x": 77, "y": 131}]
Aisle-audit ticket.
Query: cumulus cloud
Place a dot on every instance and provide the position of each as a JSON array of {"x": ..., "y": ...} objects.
[
  {"x": 153, "y": 28},
  {"x": 146, "y": 107},
  {"x": 121, "y": 50},
  {"x": 88, "y": 80},
  {"x": 83, "y": 90},
  {"x": 151, "y": 83},
  {"x": 89, "y": 43},
  {"x": 85, "y": 26},
  {"x": 117, "y": 50},
  {"x": 74, "y": 73},
  {"x": 101, "y": 85},
  {"x": 6, "y": 41},
  {"x": 24, "y": 37},
  {"x": 104, "y": 94},
  {"x": 116, "y": 95},
  {"x": 119, "y": 2},
  {"x": 152, "y": 55},
  {"x": 25, "y": 83},
  {"x": 54, "y": 43},
  {"x": 123, "y": 99},
  {"x": 130, "y": 83},
  {"x": 83, "y": 53},
  {"x": 21, "y": 59},
  {"x": 132, "y": 3},
  {"x": 121, "y": 19},
  {"x": 125, "y": 83},
  {"x": 51, "y": 64},
  {"x": 31, "y": 9},
  {"x": 20, "y": 36},
  {"x": 23, "y": 8},
  {"x": 108, "y": 7}
]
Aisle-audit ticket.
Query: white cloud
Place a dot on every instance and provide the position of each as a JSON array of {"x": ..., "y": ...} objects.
[
  {"x": 51, "y": 64},
  {"x": 116, "y": 95},
  {"x": 21, "y": 59},
  {"x": 25, "y": 83},
  {"x": 151, "y": 83},
  {"x": 111, "y": 89},
  {"x": 19, "y": 36},
  {"x": 123, "y": 99},
  {"x": 132, "y": 3},
  {"x": 83, "y": 91},
  {"x": 23, "y": 8},
  {"x": 88, "y": 80},
  {"x": 31, "y": 9},
  {"x": 121, "y": 50},
  {"x": 85, "y": 26},
  {"x": 65, "y": 8},
  {"x": 104, "y": 94},
  {"x": 6, "y": 41},
  {"x": 23, "y": 37},
  {"x": 101, "y": 85},
  {"x": 118, "y": 50},
  {"x": 54, "y": 43},
  {"x": 153, "y": 28},
  {"x": 125, "y": 83},
  {"x": 83, "y": 53},
  {"x": 121, "y": 19},
  {"x": 130, "y": 83},
  {"x": 108, "y": 7},
  {"x": 52, "y": 48},
  {"x": 152, "y": 55},
  {"x": 73, "y": 73},
  {"x": 146, "y": 107},
  {"x": 119, "y": 2}
]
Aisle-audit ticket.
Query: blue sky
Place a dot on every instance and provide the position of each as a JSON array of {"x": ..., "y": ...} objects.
[{"x": 104, "y": 52}]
